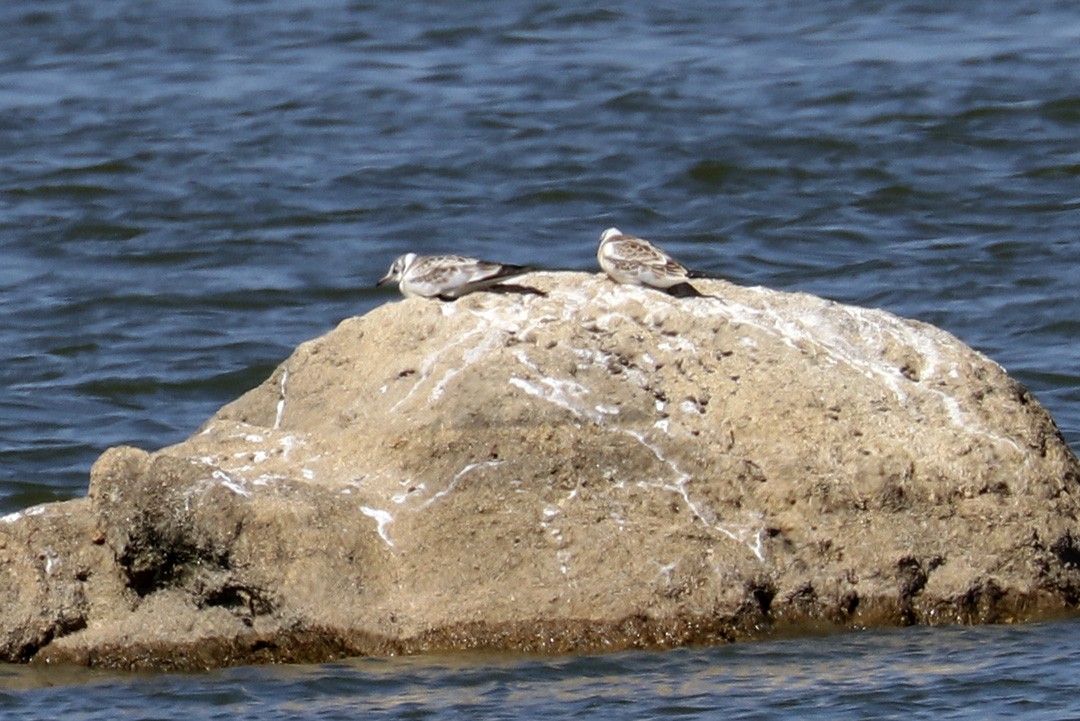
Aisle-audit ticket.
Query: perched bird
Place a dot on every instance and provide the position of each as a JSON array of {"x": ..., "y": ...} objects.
[
  {"x": 447, "y": 277},
  {"x": 636, "y": 261}
]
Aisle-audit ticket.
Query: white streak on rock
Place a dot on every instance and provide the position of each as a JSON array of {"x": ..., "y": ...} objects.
[
  {"x": 563, "y": 556},
  {"x": 237, "y": 487},
  {"x": 488, "y": 342},
  {"x": 288, "y": 443},
  {"x": 679, "y": 487},
  {"x": 382, "y": 520},
  {"x": 860, "y": 338},
  {"x": 410, "y": 489},
  {"x": 432, "y": 361},
  {"x": 51, "y": 559},
  {"x": 457, "y": 477},
  {"x": 566, "y": 394},
  {"x": 677, "y": 344},
  {"x": 281, "y": 399},
  {"x": 689, "y": 406}
]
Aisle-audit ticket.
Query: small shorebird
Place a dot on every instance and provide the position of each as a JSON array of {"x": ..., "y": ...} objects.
[
  {"x": 636, "y": 261},
  {"x": 447, "y": 277}
]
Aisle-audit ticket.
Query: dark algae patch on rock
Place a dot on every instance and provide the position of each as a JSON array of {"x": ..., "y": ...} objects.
[{"x": 598, "y": 467}]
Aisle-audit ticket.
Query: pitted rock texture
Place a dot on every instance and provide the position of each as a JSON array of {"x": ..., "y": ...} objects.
[{"x": 594, "y": 468}]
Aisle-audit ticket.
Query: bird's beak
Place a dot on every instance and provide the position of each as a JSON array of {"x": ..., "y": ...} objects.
[{"x": 382, "y": 281}]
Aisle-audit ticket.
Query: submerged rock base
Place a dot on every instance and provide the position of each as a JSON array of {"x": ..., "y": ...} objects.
[{"x": 598, "y": 467}]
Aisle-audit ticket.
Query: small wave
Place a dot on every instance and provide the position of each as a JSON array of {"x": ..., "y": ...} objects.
[{"x": 76, "y": 191}]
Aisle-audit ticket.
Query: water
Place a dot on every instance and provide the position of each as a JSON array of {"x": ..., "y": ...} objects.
[
  {"x": 188, "y": 190},
  {"x": 959, "y": 673}
]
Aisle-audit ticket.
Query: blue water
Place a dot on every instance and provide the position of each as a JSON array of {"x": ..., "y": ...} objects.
[
  {"x": 188, "y": 190},
  {"x": 959, "y": 673}
]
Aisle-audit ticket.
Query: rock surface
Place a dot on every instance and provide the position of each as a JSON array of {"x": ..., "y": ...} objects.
[{"x": 598, "y": 467}]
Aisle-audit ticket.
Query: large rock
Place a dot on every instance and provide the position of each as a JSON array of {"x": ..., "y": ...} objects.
[{"x": 598, "y": 467}]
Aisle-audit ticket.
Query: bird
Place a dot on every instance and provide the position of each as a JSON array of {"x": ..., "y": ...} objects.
[
  {"x": 448, "y": 277},
  {"x": 636, "y": 261}
]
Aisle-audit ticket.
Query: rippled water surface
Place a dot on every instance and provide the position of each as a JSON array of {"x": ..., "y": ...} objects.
[
  {"x": 959, "y": 673},
  {"x": 191, "y": 189}
]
